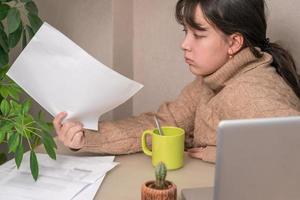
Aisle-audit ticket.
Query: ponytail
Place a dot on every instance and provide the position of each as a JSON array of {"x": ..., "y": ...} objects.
[{"x": 284, "y": 64}]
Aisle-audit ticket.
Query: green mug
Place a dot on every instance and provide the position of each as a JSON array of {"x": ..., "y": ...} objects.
[{"x": 167, "y": 148}]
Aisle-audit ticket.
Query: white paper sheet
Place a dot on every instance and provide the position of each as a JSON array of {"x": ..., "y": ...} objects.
[
  {"x": 57, "y": 180},
  {"x": 86, "y": 169},
  {"x": 90, "y": 191},
  {"x": 20, "y": 185},
  {"x": 61, "y": 76}
]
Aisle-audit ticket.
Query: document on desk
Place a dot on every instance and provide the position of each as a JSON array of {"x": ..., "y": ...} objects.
[
  {"x": 68, "y": 177},
  {"x": 61, "y": 76}
]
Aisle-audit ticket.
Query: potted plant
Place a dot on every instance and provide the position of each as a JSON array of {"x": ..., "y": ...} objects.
[
  {"x": 160, "y": 189},
  {"x": 19, "y": 21}
]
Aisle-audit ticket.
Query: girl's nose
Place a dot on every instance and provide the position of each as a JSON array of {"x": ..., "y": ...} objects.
[{"x": 185, "y": 45}]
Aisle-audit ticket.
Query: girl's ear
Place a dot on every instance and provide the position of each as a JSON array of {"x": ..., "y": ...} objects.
[{"x": 236, "y": 42}]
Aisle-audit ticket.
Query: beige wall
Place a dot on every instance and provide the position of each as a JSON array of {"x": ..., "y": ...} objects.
[
  {"x": 88, "y": 23},
  {"x": 158, "y": 60},
  {"x": 283, "y": 21},
  {"x": 123, "y": 48}
]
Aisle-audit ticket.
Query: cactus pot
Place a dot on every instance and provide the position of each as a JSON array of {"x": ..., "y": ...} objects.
[{"x": 150, "y": 193}]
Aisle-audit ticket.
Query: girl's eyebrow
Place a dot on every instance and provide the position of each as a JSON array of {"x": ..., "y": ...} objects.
[
  {"x": 197, "y": 27},
  {"x": 200, "y": 27}
]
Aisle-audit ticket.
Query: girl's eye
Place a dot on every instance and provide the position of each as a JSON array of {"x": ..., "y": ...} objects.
[{"x": 198, "y": 36}]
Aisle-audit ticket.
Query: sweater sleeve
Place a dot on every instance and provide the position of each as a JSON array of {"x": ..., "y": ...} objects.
[{"x": 124, "y": 136}]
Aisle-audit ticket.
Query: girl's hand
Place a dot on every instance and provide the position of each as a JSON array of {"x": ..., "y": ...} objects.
[
  {"x": 207, "y": 153},
  {"x": 71, "y": 133}
]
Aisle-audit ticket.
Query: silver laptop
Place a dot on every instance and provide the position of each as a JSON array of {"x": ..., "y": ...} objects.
[{"x": 256, "y": 159}]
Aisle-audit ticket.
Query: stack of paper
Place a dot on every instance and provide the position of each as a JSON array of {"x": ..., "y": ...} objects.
[{"x": 68, "y": 177}]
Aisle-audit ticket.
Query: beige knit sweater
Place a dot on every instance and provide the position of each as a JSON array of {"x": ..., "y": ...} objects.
[{"x": 245, "y": 87}]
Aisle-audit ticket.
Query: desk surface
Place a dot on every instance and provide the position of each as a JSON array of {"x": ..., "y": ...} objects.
[{"x": 125, "y": 180}]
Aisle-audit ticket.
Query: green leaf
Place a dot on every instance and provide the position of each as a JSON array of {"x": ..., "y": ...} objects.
[
  {"x": 13, "y": 20},
  {"x": 36, "y": 142},
  {"x": 49, "y": 149},
  {"x": 6, "y": 126},
  {"x": 35, "y": 21},
  {"x": 2, "y": 136},
  {"x": 15, "y": 107},
  {"x": 3, "y": 92},
  {"x": 4, "y": 106},
  {"x": 20, "y": 125},
  {"x": 25, "y": 1},
  {"x": 2, "y": 158},
  {"x": 5, "y": 0},
  {"x": 3, "y": 57},
  {"x": 3, "y": 11},
  {"x": 3, "y": 71},
  {"x": 15, "y": 37},
  {"x": 28, "y": 119},
  {"x": 4, "y": 41},
  {"x": 14, "y": 91},
  {"x": 43, "y": 125},
  {"x": 19, "y": 155},
  {"x": 34, "y": 165},
  {"x": 26, "y": 106},
  {"x": 8, "y": 135},
  {"x": 50, "y": 125},
  {"x": 31, "y": 7},
  {"x": 49, "y": 138},
  {"x": 24, "y": 39},
  {"x": 13, "y": 142},
  {"x": 19, "y": 129}
]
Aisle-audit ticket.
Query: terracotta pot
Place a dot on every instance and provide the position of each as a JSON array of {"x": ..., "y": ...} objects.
[{"x": 149, "y": 193}]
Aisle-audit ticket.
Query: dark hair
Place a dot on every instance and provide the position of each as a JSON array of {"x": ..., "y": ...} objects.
[{"x": 246, "y": 17}]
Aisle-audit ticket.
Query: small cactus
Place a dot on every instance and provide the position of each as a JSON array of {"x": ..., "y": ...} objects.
[
  {"x": 160, "y": 175},
  {"x": 160, "y": 188}
]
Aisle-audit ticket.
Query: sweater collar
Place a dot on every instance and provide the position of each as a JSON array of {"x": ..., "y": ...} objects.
[{"x": 242, "y": 61}]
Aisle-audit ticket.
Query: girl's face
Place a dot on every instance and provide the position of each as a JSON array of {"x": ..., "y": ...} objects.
[{"x": 204, "y": 51}]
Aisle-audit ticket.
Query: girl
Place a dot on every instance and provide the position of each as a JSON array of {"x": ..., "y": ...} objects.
[{"x": 239, "y": 74}]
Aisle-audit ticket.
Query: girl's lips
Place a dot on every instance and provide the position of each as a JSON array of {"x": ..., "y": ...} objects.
[{"x": 188, "y": 61}]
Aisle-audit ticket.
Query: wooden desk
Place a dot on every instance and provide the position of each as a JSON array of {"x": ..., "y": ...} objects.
[{"x": 125, "y": 180}]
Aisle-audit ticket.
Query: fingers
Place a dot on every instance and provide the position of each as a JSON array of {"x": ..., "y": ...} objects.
[
  {"x": 72, "y": 131},
  {"x": 196, "y": 152},
  {"x": 78, "y": 140},
  {"x": 68, "y": 132},
  {"x": 57, "y": 122},
  {"x": 66, "y": 127}
]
